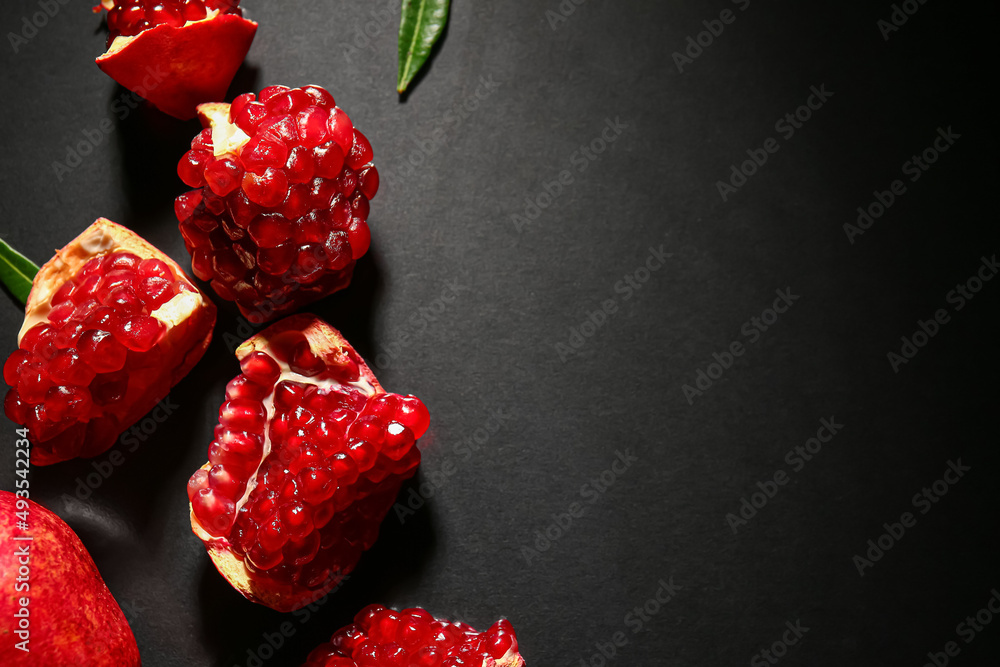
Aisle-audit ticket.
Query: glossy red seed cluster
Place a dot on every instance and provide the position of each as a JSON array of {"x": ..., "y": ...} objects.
[
  {"x": 130, "y": 17},
  {"x": 337, "y": 459},
  {"x": 381, "y": 637},
  {"x": 77, "y": 361},
  {"x": 283, "y": 219}
]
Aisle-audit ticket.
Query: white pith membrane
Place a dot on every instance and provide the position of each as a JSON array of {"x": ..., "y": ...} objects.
[
  {"x": 226, "y": 137},
  {"x": 288, "y": 374}
]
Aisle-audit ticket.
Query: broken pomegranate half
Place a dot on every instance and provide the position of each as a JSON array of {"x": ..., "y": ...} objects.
[
  {"x": 308, "y": 457},
  {"x": 280, "y": 213},
  {"x": 175, "y": 53},
  {"x": 381, "y": 637},
  {"x": 110, "y": 325}
]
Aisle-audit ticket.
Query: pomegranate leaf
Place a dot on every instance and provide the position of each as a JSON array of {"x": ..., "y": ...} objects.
[
  {"x": 422, "y": 23},
  {"x": 16, "y": 271}
]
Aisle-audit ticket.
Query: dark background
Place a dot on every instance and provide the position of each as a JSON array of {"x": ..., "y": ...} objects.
[{"x": 522, "y": 290}]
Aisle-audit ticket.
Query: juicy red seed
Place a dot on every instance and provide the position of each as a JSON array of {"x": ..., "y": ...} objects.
[
  {"x": 223, "y": 175},
  {"x": 250, "y": 118},
  {"x": 156, "y": 268},
  {"x": 140, "y": 333},
  {"x": 66, "y": 367},
  {"x": 242, "y": 415},
  {"x": 264, "y": 151},
  {"x": 413, "y": 413},
  {"x": 260, "y": 368},
  {"x": 329, "y": 160},
  {"x": 361, "y": 152},
  {"x": 239, "y": 104},
  {"x": 360, "y": 238},
  {"x": 276, "y": 261},
  {"x": 215, "y": 512},
  {"x": 191, "y": 168},
  {"x": 242, "y": 387},
  {"x": 101, "y": 351},
  {"x": 270, "y": 230},
  {"x": 198, "y": 481},
  {"x": 341, "y": 129},
  {"x": 268, "y": 188},
  {"x": 312, "y": 125},
  {"x": 271, "y": 91}
]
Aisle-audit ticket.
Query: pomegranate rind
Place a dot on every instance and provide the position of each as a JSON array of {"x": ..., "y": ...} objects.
[
  {"x": 178, "y": 68},
  {"x": 327, "y": 343},
  {"x": 75, "y": 619},
  {"x": 189, "y": 318}
]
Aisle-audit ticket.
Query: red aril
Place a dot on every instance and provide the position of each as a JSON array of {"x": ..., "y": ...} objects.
[
  {"x": 381, "y": 637},
  {"x": 308, "y": 457},
  {"x": 111, "y": 324}
]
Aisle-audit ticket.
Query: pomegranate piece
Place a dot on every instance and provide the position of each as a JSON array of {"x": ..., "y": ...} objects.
[
  {"x": 308, "y": 457},
  {"x": 280, "y": 213},
  {"x": 111, "y": 324},
  {"x": 381, "y": 637},
  {"x": 72, "y": 617},
  {"x": 175, "y": 53}
]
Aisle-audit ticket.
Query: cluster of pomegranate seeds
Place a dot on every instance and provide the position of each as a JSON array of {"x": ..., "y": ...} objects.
[
  {"x": 381, "y": 637},
  {"x": 130, "y": 17},
  {"x": 281, "y": 212},
  {"x": 323, "y": 458},
  {"x": 77, "y": 361}
]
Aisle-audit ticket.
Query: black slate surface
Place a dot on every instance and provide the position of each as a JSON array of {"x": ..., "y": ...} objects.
[{"x": 511, "y": 102}]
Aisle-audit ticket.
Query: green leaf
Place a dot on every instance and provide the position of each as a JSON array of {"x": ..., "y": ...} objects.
[
  {"x": 422, "y": 23},
  {"x": 16, "y": 271}
]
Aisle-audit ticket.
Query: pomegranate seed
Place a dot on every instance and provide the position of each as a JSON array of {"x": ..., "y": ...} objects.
[
  {"x": 258, "y": 367},
  {"x": 268, "y": 188},
  {"x": 101, "y": 351}
]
